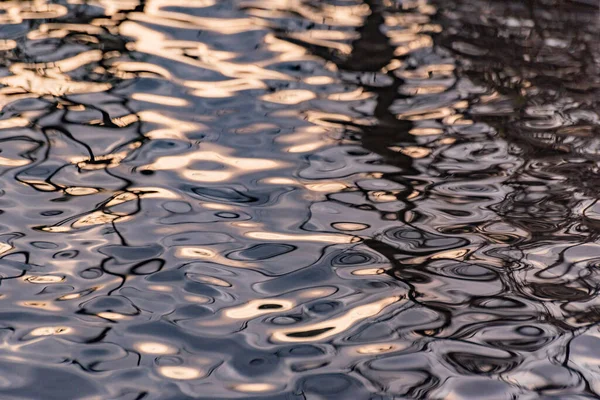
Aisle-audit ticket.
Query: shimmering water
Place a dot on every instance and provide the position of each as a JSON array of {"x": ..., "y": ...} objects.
[{"x": 299, "y": 199}]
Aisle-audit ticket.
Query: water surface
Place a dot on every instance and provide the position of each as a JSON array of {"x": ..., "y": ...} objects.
[{"x": 299, "y": 199}]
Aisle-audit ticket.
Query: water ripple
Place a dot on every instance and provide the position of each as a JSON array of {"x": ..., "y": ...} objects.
[{"x": 268, "y": 199}]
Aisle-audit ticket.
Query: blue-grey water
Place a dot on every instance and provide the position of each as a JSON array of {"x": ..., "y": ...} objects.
[{"x": 299, "y": 199}]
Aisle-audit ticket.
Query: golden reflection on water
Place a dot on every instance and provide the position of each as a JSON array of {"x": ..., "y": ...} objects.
[
  {"x": 254, "y": 387},
  {"x": 302, "y": 238},
  {"x": 368, "y": 271},
  {"x": 154, "y": 348},
  {"x": 30, "y": 82},
  {"x": 45, "y": 279},
  {"x": 325, "y": 329},
  {"x": 379, "y": 348},
  {"x": 162, "y": 100},
  {"x": 5, "y": 247},
  {"x": 50, "y": 331},
  {"x": 256, "y": 308},
  {"x": 113, "y": 316},
  {"x": 289, "y": 96},
  {"x": 180, "y": 372},
  {"x": 40, "y": 305}
]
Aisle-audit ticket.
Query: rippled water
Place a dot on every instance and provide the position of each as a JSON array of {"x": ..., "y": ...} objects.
[{"x": 299, "y": 199}]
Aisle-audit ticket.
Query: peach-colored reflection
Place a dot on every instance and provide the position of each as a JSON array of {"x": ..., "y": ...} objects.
[
  {"x": 326, "y": 187},
  {"x": 196, "y": 252},
  {"x": 256, "y": 308},
  {"x": 289, "y": 96},
  {"x": 156, "y": 8},
  {"x": 54, "y": 80},
  {"x": 326, "y": 329},
  {"x": 349, "y": 226},
  {"x": 457, "y": 119},
  {"x": 368, "y": 271},
  {"x": 4, "y": 247},
  {"x": 413, "y": 151},
  {"x": 219, "y": 155},
  {"x": 211, "y": 280},
  {"x": 319, "y": 80},
  {"x": 180, "y": 373},
  {"x": 207, "y": 176},
  {"x": 325, "y": 238},
  {"x": 451, "y": 254},
  {"x": 56, "y": 229},
  {"x": 73, "y": 296},
  {"x": 304, "y": 139},
  {"x": 132, "y": 69},
  {"x": 358, "y": 94},
  {"x": 7, "y": 162},
  {"x": 7, "y": 45},
  {"x": 162, "y": 100},
  {"x": 254, "y": 387},
  {"x": 16, "y": 122},
  {"x": 223, "y": 89},
  {"x": 342, "y": 48},
  {"x": 307, "y": 148},
  {"x": 17, "y": 11},
  {"x": 160, "y": 288},
  {"x": 112, "y": 7},
  {"x": 33, "y": 83},
  {"x": 39, "y": 305},
  {"x": 152, "y": 42},
  {"x": 50, "y": 331},
  {"x": 111, "y": 315},
  {"x": 44, "y": 279},
  {"x": 198, "y": 299},
  {"x": 94, "y": 218},
  {"x": 426, "y": 131},
  {"x": 415, "y": 90},
  {"x": 208, "y": 254},
  {"x": 408, "y": 45},
  {"x": 81, "y": 191},
  {"x": 420, "y": 115},
  {"x": 378, "y": 348},
  {"x": 170, "y": 122},
  {"x": 279, "y": 181},
  {"x": 154, "y": 348}
]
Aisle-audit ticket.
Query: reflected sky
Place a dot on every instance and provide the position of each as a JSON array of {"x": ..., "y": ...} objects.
[{"x": 298, "y": 199}]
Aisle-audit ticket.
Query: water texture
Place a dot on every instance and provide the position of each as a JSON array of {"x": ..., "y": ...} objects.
[{"x": 299, "y": 199}]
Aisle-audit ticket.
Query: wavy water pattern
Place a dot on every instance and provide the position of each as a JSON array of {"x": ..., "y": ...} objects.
[{"x": 299, "y": 199}]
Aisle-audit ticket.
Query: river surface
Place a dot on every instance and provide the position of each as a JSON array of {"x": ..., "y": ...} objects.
[{"x": 299, "y": 199}]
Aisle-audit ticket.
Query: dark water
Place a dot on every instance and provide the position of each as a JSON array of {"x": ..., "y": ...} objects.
[{"x": 299, "y": 199}]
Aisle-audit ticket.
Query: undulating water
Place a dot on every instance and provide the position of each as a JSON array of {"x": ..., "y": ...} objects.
[{"x": 299, "y": 199}]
